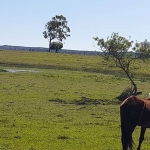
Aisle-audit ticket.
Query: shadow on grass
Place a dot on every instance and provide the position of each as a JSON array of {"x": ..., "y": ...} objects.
[
  {"x": 58, "y": 101},
  {"x": 87, "y": 101},
  {"x": 62, "y": 137}
]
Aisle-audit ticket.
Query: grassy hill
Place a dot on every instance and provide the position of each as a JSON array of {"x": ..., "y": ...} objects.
[{"x": 69, "y": 62}]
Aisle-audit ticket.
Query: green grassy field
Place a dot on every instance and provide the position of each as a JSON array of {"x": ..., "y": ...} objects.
[{"x": 67, "y": 104}]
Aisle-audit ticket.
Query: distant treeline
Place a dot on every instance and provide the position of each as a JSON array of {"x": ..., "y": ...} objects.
[{"x": 42, "y": 49}]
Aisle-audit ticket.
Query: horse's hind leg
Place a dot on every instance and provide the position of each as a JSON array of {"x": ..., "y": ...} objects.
[{"x": 143, "y": 129}]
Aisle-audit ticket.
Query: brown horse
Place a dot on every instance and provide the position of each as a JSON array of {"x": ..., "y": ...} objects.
[{"x": 134, "y": 112}]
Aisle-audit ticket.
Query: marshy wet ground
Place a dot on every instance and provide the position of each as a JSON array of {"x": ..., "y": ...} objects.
[{"x": 19, "y": 70}]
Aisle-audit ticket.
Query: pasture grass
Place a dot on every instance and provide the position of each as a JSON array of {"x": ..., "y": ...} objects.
[
  {"x": 47, "y": 125},
  {"x": 58, "y": 108},
  {"x": 65, "y": 85}
]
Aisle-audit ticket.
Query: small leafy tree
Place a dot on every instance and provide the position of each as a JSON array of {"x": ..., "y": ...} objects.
[
  {"x": 56, "y": 46},
  {"x": 121, "y": 52},
  {"x": 56, "y": 29}
]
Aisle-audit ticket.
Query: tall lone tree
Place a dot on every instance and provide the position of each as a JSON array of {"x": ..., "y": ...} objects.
[
  {"x": 56, "y": 29},
  {"x": 121, "y": 52}
]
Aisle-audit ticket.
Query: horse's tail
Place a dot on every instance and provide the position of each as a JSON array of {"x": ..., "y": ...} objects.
[{"x": 126, "y": 128}]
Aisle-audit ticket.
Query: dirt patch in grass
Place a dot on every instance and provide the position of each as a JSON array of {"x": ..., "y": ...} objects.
[{"x": 86, "y": 101}]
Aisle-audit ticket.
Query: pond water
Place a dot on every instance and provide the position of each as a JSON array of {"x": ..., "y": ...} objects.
[{"x": 20, "y": 70}]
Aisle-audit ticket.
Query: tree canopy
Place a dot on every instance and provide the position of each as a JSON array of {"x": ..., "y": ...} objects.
[
  {"x": 56, "y": 29},
  {"x": 123, "y": 52}
]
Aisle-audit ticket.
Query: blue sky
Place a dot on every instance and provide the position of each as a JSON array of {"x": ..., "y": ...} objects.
[{"x": 22, "y": 21}]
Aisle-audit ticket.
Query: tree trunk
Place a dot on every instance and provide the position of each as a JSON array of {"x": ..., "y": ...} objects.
[
  {"x": 50, "y": 45},
  {"x": 134, "y": 89}
]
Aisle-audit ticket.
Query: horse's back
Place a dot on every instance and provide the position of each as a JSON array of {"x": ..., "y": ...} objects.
[
  {"x": 132, "y": 101},
  {"x": 138, "y": 109}
]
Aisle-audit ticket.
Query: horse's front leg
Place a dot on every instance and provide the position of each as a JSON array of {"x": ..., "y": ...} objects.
[{"x": 143, "y": 129}]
